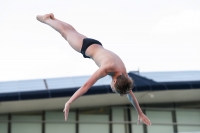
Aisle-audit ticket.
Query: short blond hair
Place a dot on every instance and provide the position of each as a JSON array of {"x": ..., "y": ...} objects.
[{"x": 123, "y": 84}]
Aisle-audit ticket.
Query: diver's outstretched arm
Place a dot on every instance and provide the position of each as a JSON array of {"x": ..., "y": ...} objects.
[{"x": 134, "y": 102}]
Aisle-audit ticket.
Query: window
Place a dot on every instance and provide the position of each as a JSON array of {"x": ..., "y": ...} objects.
[
  {"x": 188, "y": 117},
  {"x": 26, "y": 123},
  {"x": 118, "y": 115},
  {"x": 159, "y": 117},
  {"x": 134, "y": 118},
  {"x": 3, "y": 123},
  {"x": 93, "y": 120},
  {"x": 55, "y": 122}
]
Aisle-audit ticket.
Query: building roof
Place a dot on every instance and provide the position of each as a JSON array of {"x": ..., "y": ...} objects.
[
  {"x": 66, "y": 86},
  {"x": 172, "y": 76}
]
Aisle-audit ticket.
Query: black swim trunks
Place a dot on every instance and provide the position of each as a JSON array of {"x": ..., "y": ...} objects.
[{"x": 86, "y": 43}]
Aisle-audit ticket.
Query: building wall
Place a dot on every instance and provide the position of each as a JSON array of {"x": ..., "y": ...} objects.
[{"x": 165, "y": 118}]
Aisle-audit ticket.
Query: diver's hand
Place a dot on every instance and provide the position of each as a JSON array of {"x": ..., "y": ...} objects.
[
  {"x": 143, "y": 118},
  {"x": 66, "y": 110}
]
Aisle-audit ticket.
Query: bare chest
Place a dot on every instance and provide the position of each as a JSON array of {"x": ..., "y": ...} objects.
[
  {"x": 109, "y": 59},
  {"x": 104, "y": 57}
]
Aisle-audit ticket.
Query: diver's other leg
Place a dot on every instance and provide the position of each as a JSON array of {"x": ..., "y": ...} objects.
[{"x": 74, "y": 38}]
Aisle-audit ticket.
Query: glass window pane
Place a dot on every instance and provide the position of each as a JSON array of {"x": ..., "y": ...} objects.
[
  {"x": 137, "y": 128},
  {"x": 119, "y": 128},
  {"x": 59, "y": 127},
  {"x": 23, "y": 126},
  {"x": 160, "y": 117},
  {"x": 188, "y": 117},
  {"x": 92, "y": 116},
  {"x": 59, "y": 116},
  {"x": 134, "y": 118},
  {"x": 3, "y": 127},
  {"x": 91, "y": 128},
  {"x": 3, "y": 117},
  {"x": 188, "y": 129},
  {"x": 3, "y": 124},
  {"x": 118, "y": 116},
  {"x": 159, "y": 128}
]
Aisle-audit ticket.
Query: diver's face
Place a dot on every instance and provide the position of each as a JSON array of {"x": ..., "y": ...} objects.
[{"x": 112, "y": 86}]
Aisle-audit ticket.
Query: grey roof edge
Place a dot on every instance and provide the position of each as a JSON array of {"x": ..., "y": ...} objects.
[{"x": 170, "y": 76}]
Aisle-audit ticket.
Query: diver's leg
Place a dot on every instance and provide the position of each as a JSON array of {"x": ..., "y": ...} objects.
[{"x": 74, "y": 38}]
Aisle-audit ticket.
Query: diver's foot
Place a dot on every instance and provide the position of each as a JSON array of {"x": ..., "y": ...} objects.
[{"x": 43, "y": 18}]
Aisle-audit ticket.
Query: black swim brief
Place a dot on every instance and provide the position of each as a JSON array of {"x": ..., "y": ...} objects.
[{"x": 86, "y": 43}]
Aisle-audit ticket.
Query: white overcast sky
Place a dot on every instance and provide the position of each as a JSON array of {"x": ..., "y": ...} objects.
[{"x": 149, "y": 35}]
